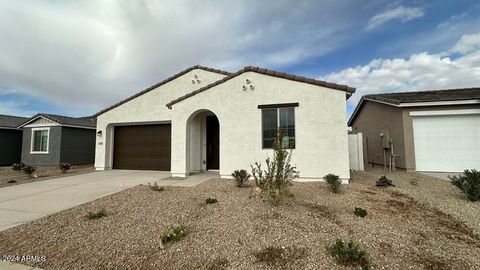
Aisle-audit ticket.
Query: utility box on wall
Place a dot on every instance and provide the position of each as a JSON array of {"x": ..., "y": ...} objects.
[{"x": 385, "y": 137}]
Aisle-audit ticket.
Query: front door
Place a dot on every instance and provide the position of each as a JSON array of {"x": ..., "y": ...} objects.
[{"x": 213, "y": 143}]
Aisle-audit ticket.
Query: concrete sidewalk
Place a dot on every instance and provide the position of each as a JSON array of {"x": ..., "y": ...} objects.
[
  {"x": 22, "y": 203},
  {"x": 16, "y": 266}
]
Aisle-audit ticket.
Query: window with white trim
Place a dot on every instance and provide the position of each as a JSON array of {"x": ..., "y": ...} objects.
[
  {"x": 40, "y": 138},
  {"x": 274, "y": 119}
]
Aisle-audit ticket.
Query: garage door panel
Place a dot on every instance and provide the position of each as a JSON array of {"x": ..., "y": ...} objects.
[
  {"x": 145, "y": 147},
  {"x": 446, "y": 143}
]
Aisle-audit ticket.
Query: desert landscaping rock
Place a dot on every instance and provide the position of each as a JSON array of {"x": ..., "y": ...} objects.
[
  {"x": 242, "y": 231},
  {"x": 9, "y": 177},
  {"x": 434, "y": 192}
]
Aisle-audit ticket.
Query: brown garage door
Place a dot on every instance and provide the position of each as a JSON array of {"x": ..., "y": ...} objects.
[{"x": 145, "y": 147}]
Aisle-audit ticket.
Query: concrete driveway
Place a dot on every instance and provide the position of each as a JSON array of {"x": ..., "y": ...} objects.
[
  {"x": 441, "y": 175},
  {"x": 22, "y": 203}
]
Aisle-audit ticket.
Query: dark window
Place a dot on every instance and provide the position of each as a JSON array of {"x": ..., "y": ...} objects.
[
  {"x": 275, "y": 119},
  {"x": 40, "y": 141}
]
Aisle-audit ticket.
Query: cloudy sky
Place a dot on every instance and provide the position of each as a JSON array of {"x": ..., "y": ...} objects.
[{"x": 77, "y": 57}]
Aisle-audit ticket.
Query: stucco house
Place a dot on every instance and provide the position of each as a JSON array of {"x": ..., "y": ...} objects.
[
  {"x": 207, "y": 119},
  {"x": 431, "y": 131},
  {"x": 53, "y": 139},
  {"x": 10, "y": 139}
]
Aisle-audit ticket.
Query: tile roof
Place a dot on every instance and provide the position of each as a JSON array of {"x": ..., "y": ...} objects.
[
  {"x": 427, "y": 96},
  {"x": 89, "y": 121},
  {"x": 161, "y": 83},
  {"x": 10, "y": 121},
  {"x": 273, "y": 73}
]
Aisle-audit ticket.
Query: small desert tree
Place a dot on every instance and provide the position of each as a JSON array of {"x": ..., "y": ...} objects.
[{"x": 274, "y": 182}]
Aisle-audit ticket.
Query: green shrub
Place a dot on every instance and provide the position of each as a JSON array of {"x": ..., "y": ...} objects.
[
  {"x": 29, "y": 169},
  {"x": 173, "y": 234},
  {"x": 469, "y": 183},
  {"x": 18, "y": 166},
  {"x": 359, "y": 212},
  {"x": 413, "y": 182},
  {"x": 211, "y": 200},
  {"x": 333, "y": 182},
  {"x": 156, "y": 187},
  {"x": 383, "y": 181},
  {"x": 349, "y": 254},
  {"x": 96, "y": 215},
  {"x": 274, "y": 182},
  {"x": 241, "y": 177},
  {"x": 65, "y": 167}
]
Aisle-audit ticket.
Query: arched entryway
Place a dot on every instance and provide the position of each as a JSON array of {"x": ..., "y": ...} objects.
[{"x": 203, "y": 142}]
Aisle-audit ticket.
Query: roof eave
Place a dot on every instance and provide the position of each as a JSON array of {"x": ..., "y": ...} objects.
[
  {"x": 169, "y": 79},
  {"x": 282, "y": 75}
]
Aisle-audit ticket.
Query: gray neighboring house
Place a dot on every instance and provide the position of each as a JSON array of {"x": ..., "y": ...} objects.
[
  {"x": 10, "y": 139},
  {"x": 53, "y": 139},
  {"x": 426, "y": 131}
]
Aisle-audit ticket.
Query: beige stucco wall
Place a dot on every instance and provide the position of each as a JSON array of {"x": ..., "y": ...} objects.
[
  {"x": 375, "y": 117},
  {"x": 147, "y": 108},
  {"x": 320, "y": 125},
  {"x": 371, "y": 120}
]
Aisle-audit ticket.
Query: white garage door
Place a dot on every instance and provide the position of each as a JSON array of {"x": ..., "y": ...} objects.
[{"x": 446, "y": 143}]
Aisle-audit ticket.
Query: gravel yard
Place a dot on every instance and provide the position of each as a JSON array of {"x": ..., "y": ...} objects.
[
  {"x": 43, "y": 173},
  {"x": 434, "y": 192},
  {"x": 243, "y": 232}
]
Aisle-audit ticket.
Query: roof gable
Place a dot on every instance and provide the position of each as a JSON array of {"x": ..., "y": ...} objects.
[
  {"x": 41, "y": 121},
  {"x": 160, "y": 84},
  {"x": 49, "y": 119},
  {"x": 273, "y": 73}
]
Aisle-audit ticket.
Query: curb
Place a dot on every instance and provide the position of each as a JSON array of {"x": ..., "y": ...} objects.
[{"x": 16, "y": 266}]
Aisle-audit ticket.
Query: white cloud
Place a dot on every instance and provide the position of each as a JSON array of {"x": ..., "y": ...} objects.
[
  {"x": 88, "y": 54},
  {"x": 421, "y": 71},
  {"x": 404, "y": 14},
  {"x": 467, "y": 44},
  {"x": 10, "y": 107},
  {"x": 4, "y": 92}
]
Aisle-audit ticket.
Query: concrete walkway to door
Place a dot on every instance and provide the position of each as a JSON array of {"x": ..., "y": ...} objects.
[{"x": 22, "y": 203}]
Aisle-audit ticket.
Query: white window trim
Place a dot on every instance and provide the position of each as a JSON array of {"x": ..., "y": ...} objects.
[{"x": 33, "y": 137}]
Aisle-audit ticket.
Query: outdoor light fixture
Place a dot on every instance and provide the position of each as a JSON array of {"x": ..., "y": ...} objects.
[
  {"x": 247, "y": 81},
  {"x": 252, "y": 87},
  {"x": 244, "y": 88},
  {"x": 195, "y": 76},
  {"x": 193, "y": 81},
  {"x": 99, "y": 133},
  {"x": 198, "y": 81}
]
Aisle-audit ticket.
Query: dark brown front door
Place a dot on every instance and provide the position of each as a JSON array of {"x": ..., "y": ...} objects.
[
  {"x": 145, "y": 147},
  {"x": 213, "y": 143}
]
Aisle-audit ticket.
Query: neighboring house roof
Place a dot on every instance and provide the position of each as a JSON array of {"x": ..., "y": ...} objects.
[
  {"x": 161, "y": 83},
  {"x": 427, "y": 96},
  {"x": 89, "y": 122},
  {"x": 10, "y": 121},
  {"x": 421, "y": 98},
  {"x": 273, "y": 73}
]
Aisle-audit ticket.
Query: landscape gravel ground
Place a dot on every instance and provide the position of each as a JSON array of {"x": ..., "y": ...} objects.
[
  {"x": 403, "y": 229},
  {"x": 9, "y": 177}
]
